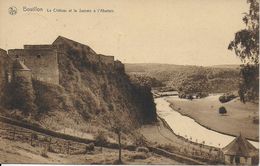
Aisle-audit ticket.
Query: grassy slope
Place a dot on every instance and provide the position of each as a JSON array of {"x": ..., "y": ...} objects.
[{"x": 239, "y": 116}]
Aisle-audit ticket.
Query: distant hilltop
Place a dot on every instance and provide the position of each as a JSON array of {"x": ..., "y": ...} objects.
[{"x": 43, "y": 60}]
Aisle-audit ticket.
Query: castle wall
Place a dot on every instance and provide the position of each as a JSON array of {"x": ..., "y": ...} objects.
[
  {"x": 119, "y": 66},
  {"x": 42, "y": 62},
  {"x": 3, "y": 55},
  {"x": 8, "y": 69},
  {"x": 86, "y": 51},
  {"x": 42, "y": 46},
  {"x": 73, "y": 47},
  {"x": 93, "y": 58},
  {"x": 108, "y": 60}
]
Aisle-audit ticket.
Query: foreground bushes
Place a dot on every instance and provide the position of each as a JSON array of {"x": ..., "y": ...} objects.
[
  {"x": 101, "y": 139},
  {"x": 19, "y": 94}
]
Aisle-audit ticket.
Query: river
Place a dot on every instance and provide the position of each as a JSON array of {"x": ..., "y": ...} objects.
[{"x": 188, "y": 128}]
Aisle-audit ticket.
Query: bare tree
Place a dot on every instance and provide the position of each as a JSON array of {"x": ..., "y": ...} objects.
[{"x": 119, "y": 122}]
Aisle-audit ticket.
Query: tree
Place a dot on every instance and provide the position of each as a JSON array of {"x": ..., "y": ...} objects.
[
  {"x": 119, "y": 122},
  {"x": 246, "y": 47},
  {"x": 101, "y": 139},
  {"x": 222, "y": 110},
  {"x": 139, "y": 139}
]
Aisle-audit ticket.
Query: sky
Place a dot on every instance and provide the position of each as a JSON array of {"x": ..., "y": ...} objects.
[{"x": 186, "y": 32}]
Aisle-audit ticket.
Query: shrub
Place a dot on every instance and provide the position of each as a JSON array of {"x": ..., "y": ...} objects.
[
  {"x": 139, "y": 140},
  {"x": 142, "y": 149},
  {"x": 139, "y": 156},
  {"x": 90, "y": 147},
  {"x": 182, "y": 95},
  {"x": 44, "y": 152},
  {"x": 226, "y": 98},
  {"x": 101, "y": 139},
  {"x": 189, "y": 97},
  {"x": 51, "y": 149},
  {"x": 34, "y": 136},
  {"x": 256, "y": 120},
  {"x": 222, "y": 110},
  {"x": 201, "y": 94}
]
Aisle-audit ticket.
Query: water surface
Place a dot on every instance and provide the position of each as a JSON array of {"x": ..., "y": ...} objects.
[{"x": 188, "y": 128}]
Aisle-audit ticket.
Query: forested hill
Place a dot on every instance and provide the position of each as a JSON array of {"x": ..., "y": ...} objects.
[{"x": 219, "y": 78}]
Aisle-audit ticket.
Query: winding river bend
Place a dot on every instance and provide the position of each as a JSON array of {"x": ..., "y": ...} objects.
[{"x": 188, "y": 128}]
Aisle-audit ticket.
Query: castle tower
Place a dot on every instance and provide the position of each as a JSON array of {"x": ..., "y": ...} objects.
[
  {"x": 22, "y": 90},
  {"x": 20, "y": 71},
  {"x": 42, "y": 60}
]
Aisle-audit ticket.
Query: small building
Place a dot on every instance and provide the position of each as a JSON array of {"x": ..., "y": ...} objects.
[{"x": 240, "y": 151}]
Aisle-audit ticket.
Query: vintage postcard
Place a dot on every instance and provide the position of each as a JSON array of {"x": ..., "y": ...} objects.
[{"x": 158, "y": 82}]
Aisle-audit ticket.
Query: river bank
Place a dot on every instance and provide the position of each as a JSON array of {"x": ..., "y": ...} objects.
[
  {"x": 161, "y": 136},
  {"x": 239, "y": 118},
  {"x": 188, "y": 128}
]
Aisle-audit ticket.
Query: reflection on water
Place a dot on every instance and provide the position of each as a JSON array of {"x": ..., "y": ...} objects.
[{"x": 188, "y": 128}]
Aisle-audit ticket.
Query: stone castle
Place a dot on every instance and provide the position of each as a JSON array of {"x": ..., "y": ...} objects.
[{"x": 41, "y": 62}]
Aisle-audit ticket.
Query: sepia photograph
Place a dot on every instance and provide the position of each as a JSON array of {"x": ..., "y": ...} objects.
[{"x": 120, "y": 82}]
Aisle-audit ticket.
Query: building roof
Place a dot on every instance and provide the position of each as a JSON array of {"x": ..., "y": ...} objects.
[
  {"x": 240, "y": 146},
  {"x": 69, "y": 41},
  {"x": 18, "y": 65}
]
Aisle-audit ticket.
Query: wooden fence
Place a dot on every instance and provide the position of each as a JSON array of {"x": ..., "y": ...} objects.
[{"x": 36, "y": 139}]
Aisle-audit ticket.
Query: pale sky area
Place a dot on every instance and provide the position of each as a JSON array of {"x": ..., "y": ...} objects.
[{"x": 188, "y": 32}]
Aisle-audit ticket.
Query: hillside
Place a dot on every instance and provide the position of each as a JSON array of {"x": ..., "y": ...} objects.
[
  {"x": 86, "y": 91},
  {"x": 175, "y": 75},
  {"x": 44, "y": 148}
]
